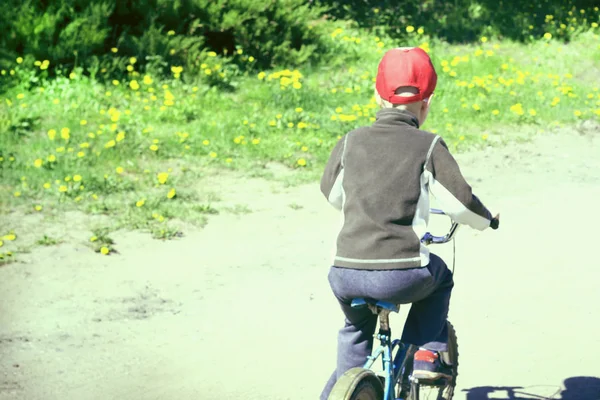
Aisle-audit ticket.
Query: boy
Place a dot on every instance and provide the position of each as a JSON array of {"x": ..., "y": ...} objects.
[{"x": 380, "y": 178}]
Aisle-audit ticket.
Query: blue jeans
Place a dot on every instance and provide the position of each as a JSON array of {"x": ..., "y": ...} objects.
[{"x": 427, "y": 288}]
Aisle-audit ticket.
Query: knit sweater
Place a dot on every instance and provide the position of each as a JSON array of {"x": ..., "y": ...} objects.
[{"x": 380, "y": 177}]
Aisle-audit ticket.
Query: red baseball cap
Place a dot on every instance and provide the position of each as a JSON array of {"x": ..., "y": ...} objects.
[{"x": 405, "y": 67}]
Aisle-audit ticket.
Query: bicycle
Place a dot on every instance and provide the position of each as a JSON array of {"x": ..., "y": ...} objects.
[{"x": 362, "y": 383}]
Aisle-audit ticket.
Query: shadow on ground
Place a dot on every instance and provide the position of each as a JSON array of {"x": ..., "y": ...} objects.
[{"x": 575, "y": 388}]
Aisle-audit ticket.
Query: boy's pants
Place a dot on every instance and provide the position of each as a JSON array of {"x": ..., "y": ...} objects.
[{"x": 427, "y": 288}]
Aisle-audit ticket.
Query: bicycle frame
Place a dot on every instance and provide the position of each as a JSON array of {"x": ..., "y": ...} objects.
[{"x": 393, "y": 369}]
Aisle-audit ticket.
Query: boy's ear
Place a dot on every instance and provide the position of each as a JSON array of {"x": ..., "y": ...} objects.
[{"x": 424, "y": 111}]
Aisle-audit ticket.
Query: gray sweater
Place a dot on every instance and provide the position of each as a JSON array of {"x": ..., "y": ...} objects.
[{"x": 380, "y": 177}]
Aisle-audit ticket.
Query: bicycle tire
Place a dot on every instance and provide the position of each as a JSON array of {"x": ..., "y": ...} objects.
[
  {"x": 453, "y": 353},
  {"x": 357, "y": 384}
]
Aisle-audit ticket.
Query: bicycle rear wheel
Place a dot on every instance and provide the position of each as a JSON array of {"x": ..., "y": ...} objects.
[
  {"x": 357, "y": 384},
  {"x": 444, "y": 389}
]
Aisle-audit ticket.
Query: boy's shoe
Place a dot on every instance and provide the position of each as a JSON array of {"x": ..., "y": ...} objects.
[{"x": 428, "y": 365}]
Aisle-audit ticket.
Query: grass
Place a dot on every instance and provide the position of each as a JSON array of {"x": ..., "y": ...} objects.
[
  {"x": 135, "y": 148},
  {"x": 48, "y": 241}
]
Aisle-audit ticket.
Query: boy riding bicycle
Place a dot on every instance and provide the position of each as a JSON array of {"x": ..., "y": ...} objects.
[{"x": 380, "y": 177}]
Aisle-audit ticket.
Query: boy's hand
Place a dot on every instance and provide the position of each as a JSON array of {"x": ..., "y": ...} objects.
[{"x": 495, "y": 222}]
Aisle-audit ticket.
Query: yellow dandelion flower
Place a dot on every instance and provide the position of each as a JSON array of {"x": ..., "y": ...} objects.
[
  {"x": 496, "y": 112},
  {"x": 140, "y": 203},
  {"x": 119, "y": 170},
  {"x": 532, "y": 112},
  {"x": 301, "y": 162},
  {"x": 154, "y": 147},
  {"x": 299, "y": 109},
  {"x": 38, "y": 163},
  {"x": 255, "y": 141},
  {"x": 476, "y": 107},
  {"x": 272, "y": 123},
  {"x": 162, "y": 177},
  {"x": 578, "y": 113},
  {"x": 302, "y": 125},
  {"x": 134, "y": 85},
  {"x": 83, "y": 122},
  {"x": 547, "y": 36},
  {"x": 304, "y": 148},
  {"x": 206, "y": 142},
  {"x": 420, "y": 31},
  {"x": 52, "y": 134},
  {"x": 410, "y": 29},
  {"x": 147, "y": 80},
  {"x": 171, "y": 193},
  {"x": 62, "y": 188},
  {"x": 212, "y": 154},
  {"x": 290, "y": 124},
  {"x": 297, "y": 85},
  {"x": 120, "y": 136},
  {"x": 132, "y": 60},
  {"x": 104, "y": 250},
  {"x": 65, "y": 133},
  {"x": 51, "y": 158},
  {"x": 109, "y": 144},
  {"x": 47, "y": 185},
  {"x": 77, "y": 178},
  {"x": 114, "y": 50},
  {"x": 80, "y": 154},
  {"x": 38, "y": 207},
  {"x": 228, "y": 160},
  {"x": 484, "y": 39}
]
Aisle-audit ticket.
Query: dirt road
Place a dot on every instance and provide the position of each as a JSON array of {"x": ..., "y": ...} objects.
[{"x": 242, "y": 308}]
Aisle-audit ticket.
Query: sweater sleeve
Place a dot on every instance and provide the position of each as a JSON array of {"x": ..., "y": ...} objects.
[
  {"x": 331, "y": 181},
  {"x": 450, "y": 188}
]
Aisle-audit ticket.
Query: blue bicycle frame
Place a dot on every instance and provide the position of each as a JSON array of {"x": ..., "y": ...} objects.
[{"x": 393, "y": 370}]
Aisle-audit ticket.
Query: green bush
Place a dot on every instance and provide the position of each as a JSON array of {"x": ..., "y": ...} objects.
[
  {"x": 108, "y": 32},
  {"x": 468, "y": 20}
]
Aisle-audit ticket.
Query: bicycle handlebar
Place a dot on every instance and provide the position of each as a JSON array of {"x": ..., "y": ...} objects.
[{"x": 428, "y": 238}]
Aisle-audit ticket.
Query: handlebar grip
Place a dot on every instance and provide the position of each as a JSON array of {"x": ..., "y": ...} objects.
[{"x": 495, "y": 223}]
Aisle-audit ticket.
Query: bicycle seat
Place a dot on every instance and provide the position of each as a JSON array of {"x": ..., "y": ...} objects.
[{"x": 362, "y": 302}]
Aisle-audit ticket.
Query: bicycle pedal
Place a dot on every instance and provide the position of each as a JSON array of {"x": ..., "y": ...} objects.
[{"x": 433, "y": 382}]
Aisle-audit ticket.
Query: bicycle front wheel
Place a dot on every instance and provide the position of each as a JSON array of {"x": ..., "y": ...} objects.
[{"x": 357, "y": 384}]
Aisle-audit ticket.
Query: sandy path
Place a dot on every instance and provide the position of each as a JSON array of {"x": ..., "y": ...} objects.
[{"x": 242, "y": 309}]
